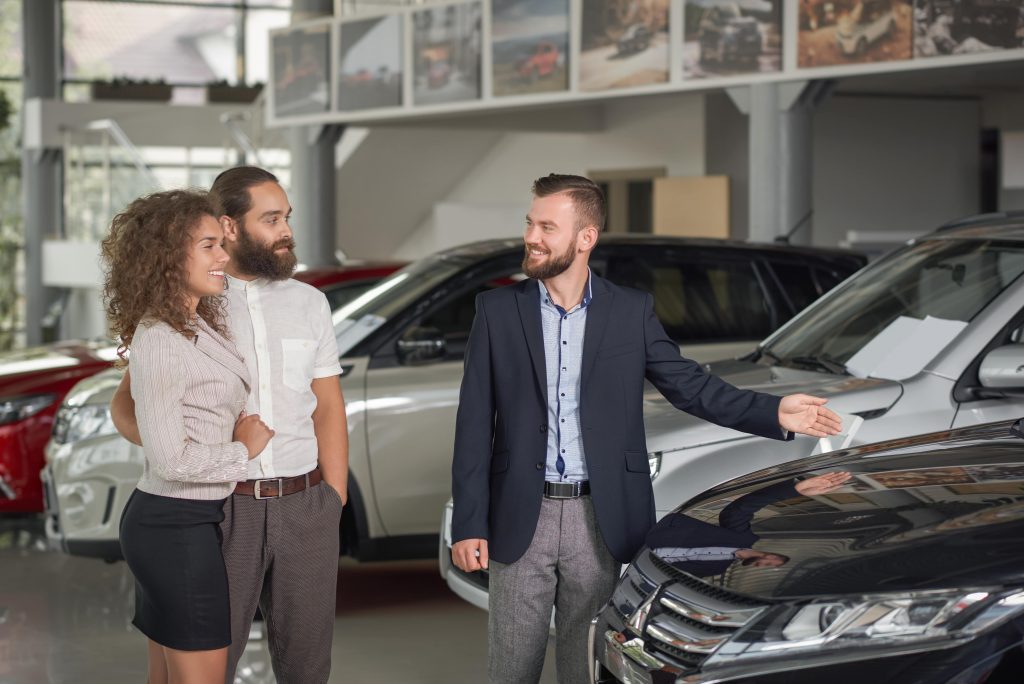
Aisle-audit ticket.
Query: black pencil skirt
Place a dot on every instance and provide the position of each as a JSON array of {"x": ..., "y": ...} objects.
[{"x": 173, "y": 548}]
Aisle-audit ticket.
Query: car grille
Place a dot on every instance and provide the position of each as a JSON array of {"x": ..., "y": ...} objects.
[{"x": 686, "y": 619}]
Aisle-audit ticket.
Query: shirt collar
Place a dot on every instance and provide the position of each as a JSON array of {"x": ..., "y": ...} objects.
[
  {"x": 588, "y": 292},
  {"x": 239, "y": 284}
]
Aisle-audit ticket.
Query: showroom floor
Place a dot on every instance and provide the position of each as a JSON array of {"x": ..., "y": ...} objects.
[{"x": 65, "y": 619}]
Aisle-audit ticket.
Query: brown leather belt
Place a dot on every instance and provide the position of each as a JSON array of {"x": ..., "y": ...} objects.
[{"x": 276, "y": 487}]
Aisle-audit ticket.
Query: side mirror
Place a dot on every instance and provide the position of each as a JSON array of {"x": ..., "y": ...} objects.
[
  {"x": 421, "y": 345},
  {"x": 1003, "y": 368}
]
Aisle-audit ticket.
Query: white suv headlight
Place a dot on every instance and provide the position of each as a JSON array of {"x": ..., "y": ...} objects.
[{"x": 75, "y": 423}]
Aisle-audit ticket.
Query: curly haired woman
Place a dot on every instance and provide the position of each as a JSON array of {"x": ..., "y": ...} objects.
[{"x": 165, "y": 271}]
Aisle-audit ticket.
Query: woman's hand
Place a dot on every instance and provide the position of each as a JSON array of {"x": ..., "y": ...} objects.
[{"x": 253, "y": 433}]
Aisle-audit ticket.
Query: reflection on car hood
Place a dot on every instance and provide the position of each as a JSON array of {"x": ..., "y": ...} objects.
[
  {"x": 670, "y": 429},
  {"x": 931, "y": 512}
]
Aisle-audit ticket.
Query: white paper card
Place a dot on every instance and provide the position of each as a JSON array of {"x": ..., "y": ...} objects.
[
  {"x": 845, "y": 437},
  {"x": 904, "y": 347}
]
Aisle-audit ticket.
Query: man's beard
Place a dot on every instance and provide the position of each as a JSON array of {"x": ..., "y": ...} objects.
[
  {"x": 552, "y": 266},
  {"x": 259, "y": 260}
]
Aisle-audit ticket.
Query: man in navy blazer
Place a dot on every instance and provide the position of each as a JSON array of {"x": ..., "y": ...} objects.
[{"x": 550, "y": 477}]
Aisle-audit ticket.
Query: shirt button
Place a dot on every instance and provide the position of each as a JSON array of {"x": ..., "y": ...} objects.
[
  {"x": 564, "y": 342},
  {"x": 540, "y": 466},
  {"x": 563, "y": 451},
  {"x": 563, "y": 420},
  {"x": 544, "y": 428},
  {"x": 563, "y": 394}
]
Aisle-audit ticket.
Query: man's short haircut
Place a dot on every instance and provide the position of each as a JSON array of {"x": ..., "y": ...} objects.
[
  {"x": 230, "y": 190},
  {"x": 585, "y": 194}
]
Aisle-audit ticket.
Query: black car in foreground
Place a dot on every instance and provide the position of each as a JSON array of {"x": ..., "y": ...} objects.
[{"x": 901, "y": 561}]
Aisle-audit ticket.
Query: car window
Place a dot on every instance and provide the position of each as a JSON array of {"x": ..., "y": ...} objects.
[
  {"x": 798, "y": 283},
  {"x": 697, "y": 299},
  {"x": 948, "y": 279},
  {"x": 341, "y": 294},
  {"x": 453, "y": 316}
]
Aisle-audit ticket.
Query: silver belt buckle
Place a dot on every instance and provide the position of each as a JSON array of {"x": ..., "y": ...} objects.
[{"x": 280, "y": 487}]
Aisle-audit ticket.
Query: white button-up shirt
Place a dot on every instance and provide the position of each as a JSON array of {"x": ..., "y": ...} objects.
[{"x": 283, "y": 330}]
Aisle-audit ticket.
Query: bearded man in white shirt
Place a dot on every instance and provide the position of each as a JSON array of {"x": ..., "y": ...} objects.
[{"x": 281, "y": 526}]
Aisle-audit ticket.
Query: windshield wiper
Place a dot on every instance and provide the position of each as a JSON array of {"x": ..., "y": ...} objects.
[
  {"x": 764, "y": 352},
  {"x": 822, "y": 361}
]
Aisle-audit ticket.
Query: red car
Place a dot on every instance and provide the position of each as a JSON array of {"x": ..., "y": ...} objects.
[{"x": 33, "y": 383}]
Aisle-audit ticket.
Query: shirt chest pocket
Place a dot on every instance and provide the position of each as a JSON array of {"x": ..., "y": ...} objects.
[{"x": 297, "y": 357}]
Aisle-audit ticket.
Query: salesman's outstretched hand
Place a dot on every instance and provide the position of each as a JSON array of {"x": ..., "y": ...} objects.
[
  {"x": 470, "y": 555},
  {"x": 807, "y": 415}
]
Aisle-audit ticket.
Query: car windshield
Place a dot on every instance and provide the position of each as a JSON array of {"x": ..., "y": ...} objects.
[
  {"x": 950, "y": 279},
  {"x": 354, "y": 321}
]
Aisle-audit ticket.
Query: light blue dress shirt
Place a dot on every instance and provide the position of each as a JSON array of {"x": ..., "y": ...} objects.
[{"x": 563, "y": 354}]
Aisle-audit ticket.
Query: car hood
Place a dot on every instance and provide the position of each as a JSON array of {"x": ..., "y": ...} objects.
[
  {"x": 669, "y": 429},
  {"x": 24, "y": 370},
  {"x": 98, "y": 389},
  {"x": 917, "y": 514}
]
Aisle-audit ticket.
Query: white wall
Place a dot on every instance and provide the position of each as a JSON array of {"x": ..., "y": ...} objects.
[
  {"x": 893, "y": 164},
  {"x": 638, "y": 133}
]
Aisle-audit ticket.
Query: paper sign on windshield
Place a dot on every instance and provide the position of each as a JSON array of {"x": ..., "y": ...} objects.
[{"x": 904, "y": 348}]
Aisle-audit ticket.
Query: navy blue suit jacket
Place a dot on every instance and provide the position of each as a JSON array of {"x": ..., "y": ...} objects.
[{"x": 501, "y": 429}]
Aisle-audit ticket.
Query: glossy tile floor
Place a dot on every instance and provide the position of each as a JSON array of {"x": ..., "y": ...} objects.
[{"x": 65, "y": 619}]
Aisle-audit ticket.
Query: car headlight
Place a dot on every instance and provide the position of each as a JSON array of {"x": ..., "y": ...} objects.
[
  {"x": 878, "y": 621},
  {"x": 13, "y": 409},
  {"x": 75, "y": 423}
]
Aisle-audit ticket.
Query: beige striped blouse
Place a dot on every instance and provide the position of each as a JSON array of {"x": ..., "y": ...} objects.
[{"x": 188, "y": 394}]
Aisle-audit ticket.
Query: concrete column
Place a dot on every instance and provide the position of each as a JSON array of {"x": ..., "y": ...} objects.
[
  {"x": 780, "y": 128},
  {"x": 41, "y": 169},
  {"x": 313, "y": 184}
]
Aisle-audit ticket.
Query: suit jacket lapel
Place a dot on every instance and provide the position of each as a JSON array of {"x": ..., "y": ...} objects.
[
  {"x": 598, "y": 314},
  {"x": 528, "y": 302},
  {"x": 221, "y": 350}
]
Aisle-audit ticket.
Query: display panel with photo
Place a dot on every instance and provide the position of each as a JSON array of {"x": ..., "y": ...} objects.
[
  {"x": 530, "y": 45},
  {"x": 964, "y": 27},
  {"x": 624, "y": 43},
  {"x": 728, "y": 37},
  {"x": 446, "y": 54},
  {"x": 836, "y": 32},
  {"x": 370, "y": 64},
  {"x": 302, "y": 71}
]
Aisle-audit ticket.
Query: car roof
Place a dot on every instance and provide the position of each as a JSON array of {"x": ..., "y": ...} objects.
[
  {"x": 1003, "y": 225},
  {"x": 489, "y": 248},
  {"x": 322, "y": 276}
]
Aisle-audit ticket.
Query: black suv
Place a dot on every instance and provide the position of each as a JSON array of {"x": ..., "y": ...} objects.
[{"x": 901, "y": 561}]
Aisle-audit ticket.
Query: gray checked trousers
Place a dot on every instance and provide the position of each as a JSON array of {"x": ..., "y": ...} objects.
[
  {"x": 282, "y": 554},
  {"x": 566, "y": 566}
]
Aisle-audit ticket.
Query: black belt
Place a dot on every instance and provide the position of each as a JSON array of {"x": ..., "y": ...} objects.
[{"x": 566, "y": 490}]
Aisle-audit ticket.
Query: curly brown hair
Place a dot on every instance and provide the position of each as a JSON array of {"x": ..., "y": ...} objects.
[{"x": 144, "y": 259}]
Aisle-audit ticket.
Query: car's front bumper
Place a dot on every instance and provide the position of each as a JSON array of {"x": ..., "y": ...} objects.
[{"x": 86, "y": 487}]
